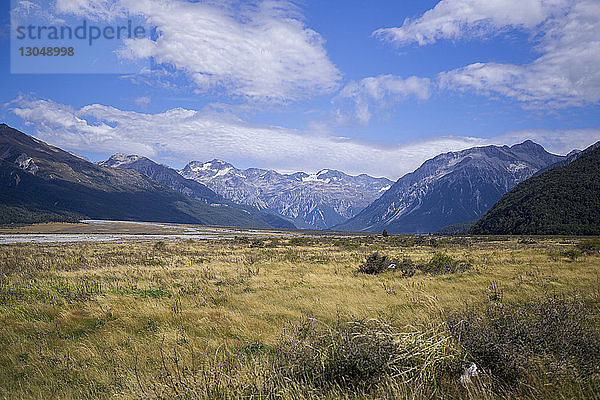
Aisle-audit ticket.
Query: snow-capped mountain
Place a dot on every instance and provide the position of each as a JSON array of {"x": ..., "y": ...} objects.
[
  {"x": 163, "y": 174},
  {"x": 451, "y": 188},
  {"x": 171, "y": 178},
  {"x": 313, "y": 201}
]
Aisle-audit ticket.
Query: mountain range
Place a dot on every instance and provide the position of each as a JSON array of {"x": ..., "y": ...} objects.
[
  {"x": 42, "y": 183},
  {"x": 451, "y": 188},
  {"x": 312, "y": 201},
  {"x": 171, "y": 178},
  {"x": 447, "y": 193}
]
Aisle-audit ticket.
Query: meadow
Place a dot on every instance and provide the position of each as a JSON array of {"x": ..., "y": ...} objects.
[{"x": 302, "y": 317}]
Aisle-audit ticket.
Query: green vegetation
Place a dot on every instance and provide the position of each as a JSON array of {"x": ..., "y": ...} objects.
[
  {"x": 442, "y": 263},
  {"x": 376, "y": 263},
  {"x": 292, "y": 318},
  {"x": 562, "y": 201}
]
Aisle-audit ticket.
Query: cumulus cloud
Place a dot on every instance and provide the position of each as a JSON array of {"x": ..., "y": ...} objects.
[
  {"x": 180, "y": 135},
  {"x": 380, "y": 92},
  {"x": 251, "y": 49},
  {"x": 566, "y": 34},
  {"x": 457, "y": 19}
]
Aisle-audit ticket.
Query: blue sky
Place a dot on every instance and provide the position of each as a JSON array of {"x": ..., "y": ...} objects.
[{"x": 375, "y": 87}]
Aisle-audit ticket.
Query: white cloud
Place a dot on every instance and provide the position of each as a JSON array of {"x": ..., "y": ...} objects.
[
  {"x": 180, "y": 135},
  {"x": 380, "y": 92},
  {"x": 457, "y": 19},
  {"x": 256, "y": 49},
  {"x": 555, "y": 141},
  {"x": 566, "y": 34},
  {"x": 99, "y": 10}
]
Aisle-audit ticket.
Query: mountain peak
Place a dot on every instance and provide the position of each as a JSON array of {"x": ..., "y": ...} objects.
[
  {"x": 528, "y": 145},
  {"x": 8, "y": 130},
  {"x": 564, "y": 200},
  {"x": 215, "y": 162},
  {"x": 119, "y": 159},
  {"x": 451, "y": 188},
  {"x": 214, "y": 165}
]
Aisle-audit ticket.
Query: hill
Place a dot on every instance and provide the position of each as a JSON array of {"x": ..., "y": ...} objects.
[{"x": 564, "y": 200}]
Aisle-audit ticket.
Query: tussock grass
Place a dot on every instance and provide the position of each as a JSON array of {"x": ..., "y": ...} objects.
[
  {"x": 554, "y": 339},
  {"x": 288, "y": 319}
]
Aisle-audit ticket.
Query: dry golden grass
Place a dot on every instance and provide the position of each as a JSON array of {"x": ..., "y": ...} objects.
[{"x": 101, "y": 320}]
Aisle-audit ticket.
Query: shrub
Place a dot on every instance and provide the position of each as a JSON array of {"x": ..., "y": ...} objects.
[
  {"x": 376, "y": 264},
  {"x": 590, "y": 246},
  {"x": 300, "y": 241},
  {"x": 407, "y": 267},
  {"x": 442, "y": 263},
  {"x": 360, "y": 353},
  {"x": 550, "y": 336},
  {"x": 348, "y": 243},
  {"x": 160, "y": 246},
  {"x": 572, "y": 254}
]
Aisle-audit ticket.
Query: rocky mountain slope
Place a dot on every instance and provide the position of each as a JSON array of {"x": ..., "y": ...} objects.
[
  {"x": 39, "y": 182},
  {"x": 163, "y": 174},
  {"x": 171, "y": 178},
  {"x": 313, "y": 201},
  {"x": 565, "y": 200},
  {"x": 451, "y": 188}
]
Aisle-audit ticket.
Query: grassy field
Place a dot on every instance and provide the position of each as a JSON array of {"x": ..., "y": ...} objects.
[{"x": 292, "y": 318}]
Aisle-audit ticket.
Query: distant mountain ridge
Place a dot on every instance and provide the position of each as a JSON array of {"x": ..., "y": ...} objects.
[
  {"x": 163, "y": 174},
  {"x": 564, "y": 200},
  {"x": 171, "y": 178},
  {"x": 40, "y": 183},
  {"x": 451, "y": 188},
  {"x": 313, "y": 201}
]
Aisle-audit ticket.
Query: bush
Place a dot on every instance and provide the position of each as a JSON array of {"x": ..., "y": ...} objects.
[
  {"x": 550, "y": 336},
  {"x": 572, "y": 254},
  {"x": 347, "y": 243},
  {"x": 359, "y": 353},
  {"x": 160, "y": 246},
  {"x": 300, "y": 241},
  {"x": 376, "y": 264},
  {"x": 407, "y": 267},
  {"x": 442, "y": 263},
  {"x": 590, "y": 246}
]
